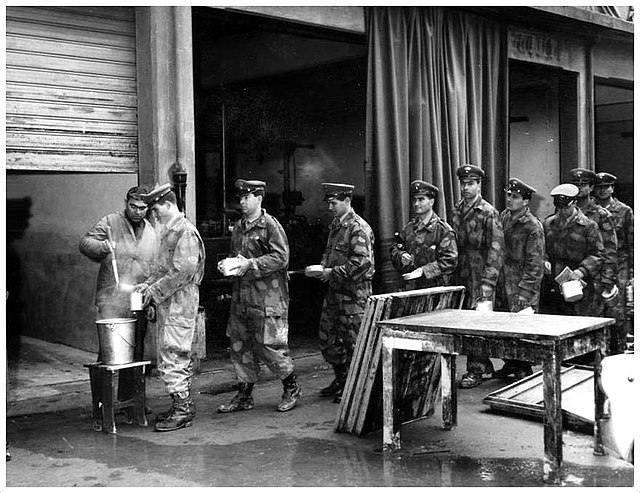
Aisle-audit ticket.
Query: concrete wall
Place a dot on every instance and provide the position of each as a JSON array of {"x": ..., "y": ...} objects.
[
  {"x": 335, "y": 17},
  {"x": 613, "y": 60},
  {"x": 56, "y": 283}
]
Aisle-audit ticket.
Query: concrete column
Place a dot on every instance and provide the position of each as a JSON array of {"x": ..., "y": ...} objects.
[{"x": 166, "y": 132}]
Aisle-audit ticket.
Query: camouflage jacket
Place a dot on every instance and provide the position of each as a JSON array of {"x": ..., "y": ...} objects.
[
  {"x": 480, "y": 246},
  {"x": 178, "y": 271},
  {"x": 432, "y": 247},
  {"x": 602, "y": 217},
  {"x": 623, "y": 220},
  {"x": 266, "y": 284},
  {"x": 349, "y": 252},
  {"x": 135, "y": 255},
  {"x": 575, "y": 243},
  {"x": 523, "y": 266}
]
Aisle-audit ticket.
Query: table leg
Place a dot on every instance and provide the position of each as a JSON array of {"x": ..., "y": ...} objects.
[
  {"x": 599, "y": 397},
  {"x": 390, "y": 438},
  {"x": 449, "y": 393},
  {"x": 552, "y": 393}
]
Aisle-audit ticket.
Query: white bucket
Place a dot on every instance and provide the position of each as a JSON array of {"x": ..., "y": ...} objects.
[
  {"x": 572, "y": 291},
  {"x": 117, "y": 340}
]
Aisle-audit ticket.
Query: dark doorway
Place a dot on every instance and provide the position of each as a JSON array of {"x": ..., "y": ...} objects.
[
  {"x": 614, "y": 135},
  {"x": 285, "y": 103},
  {"x": 542, "y": 128}
]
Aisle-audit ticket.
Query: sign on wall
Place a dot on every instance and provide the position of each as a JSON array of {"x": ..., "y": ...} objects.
[
  {"x": 71, "y": 89},
  {"x": 544, "y": 48}
]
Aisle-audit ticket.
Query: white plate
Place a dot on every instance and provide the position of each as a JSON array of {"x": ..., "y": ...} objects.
[
  {"x": 229, "y": 265},
  {"x": 414, "y": 274},
  {"x": 313, "y": 271}
]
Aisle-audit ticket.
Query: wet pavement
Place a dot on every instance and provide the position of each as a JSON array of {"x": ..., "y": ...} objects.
[{"x": 265, "y": 448}]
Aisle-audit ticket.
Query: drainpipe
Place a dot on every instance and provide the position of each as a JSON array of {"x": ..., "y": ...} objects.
[{"x": 184, "y": 165}]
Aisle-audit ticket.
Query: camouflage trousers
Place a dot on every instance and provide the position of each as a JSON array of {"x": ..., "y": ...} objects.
[
  {"x": 245, "y": 330},
  {"x": 174, "y": 354},
  {"x": 618, "y": 333},
  {"x": 617, "y": 309},
  {"x": 175, "y": 357},
  {"x": 339, "y": 325}
]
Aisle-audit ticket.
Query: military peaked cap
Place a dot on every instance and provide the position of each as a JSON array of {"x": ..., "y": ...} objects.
[
  {"x": 582, "y": 175},
  {"x": 244, "y": 187},
  {"x": 156, "y": 194},
  {"x": 518, "y": 186},
  {"x": 565, "y": 190},
  {"x": 605, "y": 179},
  {"x": 470, "y": 171},
  {"x": 420, "y": 187},
  {"x": 337, "y": 190}
]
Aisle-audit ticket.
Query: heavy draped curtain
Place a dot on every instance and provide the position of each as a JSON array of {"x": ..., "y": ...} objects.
[{"x": 436, "y": 99}]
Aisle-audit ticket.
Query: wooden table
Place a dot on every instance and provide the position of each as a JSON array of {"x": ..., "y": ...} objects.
[{"x": 549, "y": 339}]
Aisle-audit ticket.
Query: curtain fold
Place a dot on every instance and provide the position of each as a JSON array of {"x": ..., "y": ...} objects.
[{"x": 436, "y": 99}]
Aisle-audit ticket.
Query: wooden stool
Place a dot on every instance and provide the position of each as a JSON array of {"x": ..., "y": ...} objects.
[{"x": 104, "y": 394}]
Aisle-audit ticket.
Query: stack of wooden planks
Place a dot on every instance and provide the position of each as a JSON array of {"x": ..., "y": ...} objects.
[{"x": 360, "y": 411}]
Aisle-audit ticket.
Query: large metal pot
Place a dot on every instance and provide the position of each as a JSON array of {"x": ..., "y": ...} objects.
[{"x": 117, "y": 340}]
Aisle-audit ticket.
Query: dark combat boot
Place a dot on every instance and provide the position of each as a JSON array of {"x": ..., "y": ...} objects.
[
  {"x": 242, "y": 401},
  {"x": 181, "y": 415},
  {"x": 335, "y": 388},
  {"x": 164, "y": 414},
  {"x": 290, "y": 395}
]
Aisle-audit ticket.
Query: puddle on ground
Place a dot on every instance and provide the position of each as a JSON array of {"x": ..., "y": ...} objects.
[{"x": 286, "y": 460}]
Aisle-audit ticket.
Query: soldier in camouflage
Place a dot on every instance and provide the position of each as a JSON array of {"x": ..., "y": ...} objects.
[
  {"x": 574, "y": 241},
  {"x": 584, "y": 179},
  {"x": 174, "y": 287},
  {"x": 427, "y": 254},
  {"x": 348, "y": 270},
  {"x": 523, "y": 268},
  {"x": 258, "y": 321},
  {"x": 480, "y": 255},
  {"x": 622, "y": 216},
  {"x": 607, "y": 280}
]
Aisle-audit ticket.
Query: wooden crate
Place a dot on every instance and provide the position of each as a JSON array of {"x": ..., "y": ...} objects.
[{"x": 418, "y": 374}]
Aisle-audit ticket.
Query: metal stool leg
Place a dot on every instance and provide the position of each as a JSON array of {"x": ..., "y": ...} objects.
[
  {"x": 140, "y": 404},
  {"x": 109, "y": 396},
  {"x": 95, "y": 377}
]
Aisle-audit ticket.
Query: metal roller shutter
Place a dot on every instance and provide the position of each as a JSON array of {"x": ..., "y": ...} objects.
[{"x": 71, "y": 89}]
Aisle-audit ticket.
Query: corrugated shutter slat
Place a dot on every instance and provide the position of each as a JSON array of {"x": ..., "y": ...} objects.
[{"x": 71, "y": 89}]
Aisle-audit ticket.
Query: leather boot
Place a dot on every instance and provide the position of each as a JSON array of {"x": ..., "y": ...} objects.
[
  {"x": 335, "y": 387},
  {"x": 182, "y": 413},
  {"x": 242, "y": 401},
  {"x": 161, "y": 416},
  {"x": 290, "y": 395}
]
